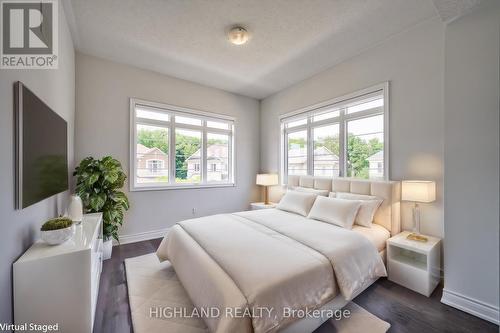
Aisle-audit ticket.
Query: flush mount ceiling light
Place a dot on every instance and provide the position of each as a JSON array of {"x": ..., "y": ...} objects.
[{"x": 238, "y": 35}]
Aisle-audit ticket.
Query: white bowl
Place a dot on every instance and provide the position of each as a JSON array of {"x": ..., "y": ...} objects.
[{"x": 59, "y": 236}]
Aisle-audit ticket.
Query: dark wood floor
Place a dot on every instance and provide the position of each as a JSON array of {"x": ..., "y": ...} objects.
[{"x": 406, "y": 310}]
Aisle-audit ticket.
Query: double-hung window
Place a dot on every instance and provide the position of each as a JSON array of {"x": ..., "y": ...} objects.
[
  {"x": 173, "y": 147},
  {"x": 345, "y": 137}
]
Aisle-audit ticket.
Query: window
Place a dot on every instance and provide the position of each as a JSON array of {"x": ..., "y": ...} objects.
[
  {"x": 174, "y": 147},
  {"x": 297, "y": 152},
  {"x": 155, "y": 166},
  {"x": 217, "y": 157},
  {"x": 365, "y": 143},
  {"x": 344, "y": 137},
  {"x": 326, "y": 150},
  {"x": 187, "y": 153},
  {"x": 151, "y": 154}
]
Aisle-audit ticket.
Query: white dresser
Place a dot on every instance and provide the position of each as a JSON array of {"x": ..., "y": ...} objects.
[{"x": 59, "y": 284}]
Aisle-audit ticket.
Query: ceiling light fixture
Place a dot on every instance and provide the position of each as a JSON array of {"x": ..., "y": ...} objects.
[{"x": 238, "y": 35}]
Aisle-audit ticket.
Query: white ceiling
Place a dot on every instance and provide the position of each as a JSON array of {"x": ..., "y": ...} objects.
[{"x": 290, "y": 39}]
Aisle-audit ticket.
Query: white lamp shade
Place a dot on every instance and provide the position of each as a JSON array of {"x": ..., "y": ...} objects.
[
  {"x": 267, "y": 179},
  {"x": 418, "y": 191}
]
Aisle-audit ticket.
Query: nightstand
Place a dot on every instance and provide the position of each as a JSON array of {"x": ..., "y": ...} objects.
[
  {"x": 412, "y": 264},
  {"x": 261, "y": 205}
]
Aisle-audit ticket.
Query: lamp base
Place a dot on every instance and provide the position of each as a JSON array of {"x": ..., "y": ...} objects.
[
  {"x": 417, "y": 237},
  {"x": 266, "y": 195}
]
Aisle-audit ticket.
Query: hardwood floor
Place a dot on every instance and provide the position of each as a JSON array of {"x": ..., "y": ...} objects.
[
  {"x": 406, "y": 310},
  {"x": 113, "y": 312}
]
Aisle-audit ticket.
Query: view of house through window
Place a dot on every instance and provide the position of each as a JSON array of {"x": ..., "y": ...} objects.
[
  {"x": 217, "y": 157},
  {"x": 326, "y": 150},
  {"x": 187, "y": 150},
  {"x": 173, "y": 149},
  {"x": 342, "y": 139},
  {"x": 365, "y": 147},
  {"x": 152, "y": 154},
  {"x": 297, "y": 153}
]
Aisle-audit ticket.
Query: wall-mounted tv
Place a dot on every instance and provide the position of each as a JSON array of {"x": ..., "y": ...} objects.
[{"x": 41, "y": 149}]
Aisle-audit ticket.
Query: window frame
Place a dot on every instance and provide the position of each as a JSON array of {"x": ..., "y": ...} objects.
[
  {"x": 171, "y": 125},
  {"x": 342, "y": 119}
]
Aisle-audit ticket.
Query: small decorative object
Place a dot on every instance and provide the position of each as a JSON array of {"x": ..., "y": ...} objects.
[
  {"x": 98, "y": 183},
  {"x": 267, "y": 179},
  {"x": 418, "y": 191},
  {"x": 416, "y": 237},
  {"x": 75, "y": 209},
  {"x": 57, "y": 231}
]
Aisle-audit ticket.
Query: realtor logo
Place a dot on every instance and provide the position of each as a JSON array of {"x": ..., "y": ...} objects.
[{"x": 29, "y": 34}]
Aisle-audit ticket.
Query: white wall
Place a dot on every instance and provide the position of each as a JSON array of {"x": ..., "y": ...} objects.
[
  {"x": 471, "y": 154},
  {"x": 413, "y": 63},
  {"x": 102, "y": 128},
  {"x": 19, "y": 228}
]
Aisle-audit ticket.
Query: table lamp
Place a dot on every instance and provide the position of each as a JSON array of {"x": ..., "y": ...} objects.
[
  {"x": 267, "y": 179},
  {"x": 418, "y": 191}
]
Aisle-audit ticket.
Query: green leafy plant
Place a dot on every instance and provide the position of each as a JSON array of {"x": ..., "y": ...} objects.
[
  {"x": 98, "y": 183},
  {"x": 57, "y": 223}
]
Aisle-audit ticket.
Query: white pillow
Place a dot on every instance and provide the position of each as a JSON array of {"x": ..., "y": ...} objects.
[
  {"x": 335, "y": 211},
  {"x": 332, "y": 195},
  {"x": 354, "y": 196},
  {"x": 369, "y": 206},
  {"x": 297, "y": 202},
  {"x": 323, "y": 193}
]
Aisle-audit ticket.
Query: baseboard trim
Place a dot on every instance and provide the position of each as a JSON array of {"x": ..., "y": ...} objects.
[
  {"x": 142, "y": 236},
  {"x": 470, "y": 305}
]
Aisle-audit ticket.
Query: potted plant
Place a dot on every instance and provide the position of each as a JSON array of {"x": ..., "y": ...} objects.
[
  {"x": 57, "y": 231},
  {"x": 98, "y": 183}
]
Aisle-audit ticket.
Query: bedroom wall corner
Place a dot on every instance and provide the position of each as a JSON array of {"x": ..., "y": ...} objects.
[
  {"x": 471, "y": 156},
  {"x": 412, "y": 62},
  {"x": 102, "y": 128}
]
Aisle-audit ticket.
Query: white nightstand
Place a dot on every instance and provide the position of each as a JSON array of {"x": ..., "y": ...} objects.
[
  {"x": 412, "y": 264},
  {"x": 261, "y": 205}
]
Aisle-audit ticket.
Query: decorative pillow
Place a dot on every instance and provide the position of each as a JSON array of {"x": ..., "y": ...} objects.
[
  {"x": 323, "y": 193},
  {"x": 354, "y": 196},
  {"x": 335, "y": 211},
  {"x": 332, "y": 195},
  {"x": 369, "y": 206},
  {"x": 297, "y": 202}
]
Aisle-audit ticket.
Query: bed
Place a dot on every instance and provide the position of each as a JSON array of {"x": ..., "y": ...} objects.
[{"x": 260, "y": 268}]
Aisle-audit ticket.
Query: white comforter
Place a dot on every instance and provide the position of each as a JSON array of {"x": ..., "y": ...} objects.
[{"x": 267, "y": 259}]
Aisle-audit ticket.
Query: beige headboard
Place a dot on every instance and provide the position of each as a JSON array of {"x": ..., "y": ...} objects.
[{"x": 388, "y": 215}]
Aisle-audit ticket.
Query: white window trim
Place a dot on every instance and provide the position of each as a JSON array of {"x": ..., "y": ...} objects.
[
  {"x": 310, "y": 110},
  {"x": 172, "y": 110}
]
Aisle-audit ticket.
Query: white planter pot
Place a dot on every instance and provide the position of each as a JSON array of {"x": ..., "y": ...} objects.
[
  {"x": 59, "y": 236},
  {"x": 107, "y": 249}
]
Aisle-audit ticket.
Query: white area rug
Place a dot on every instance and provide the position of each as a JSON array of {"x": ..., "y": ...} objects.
[{"x": 153, "y": 285}]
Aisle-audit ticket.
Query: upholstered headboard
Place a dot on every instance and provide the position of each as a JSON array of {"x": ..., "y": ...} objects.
[{"x": 388, "y": 214}]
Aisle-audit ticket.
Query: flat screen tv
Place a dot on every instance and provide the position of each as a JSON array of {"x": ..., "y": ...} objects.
[{"x": 41, "y": 149}]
